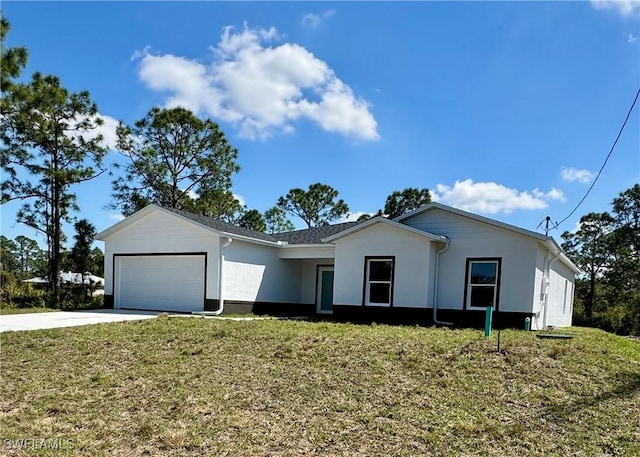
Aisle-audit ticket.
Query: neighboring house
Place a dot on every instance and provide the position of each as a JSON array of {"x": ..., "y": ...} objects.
[
  {"x": 68, "y": 277},
  {"x": 435, "y": 263}
]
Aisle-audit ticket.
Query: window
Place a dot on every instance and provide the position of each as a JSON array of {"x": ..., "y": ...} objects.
[
  {"x": 483, "y": 283},
  {"x": 378, "y": 281}
]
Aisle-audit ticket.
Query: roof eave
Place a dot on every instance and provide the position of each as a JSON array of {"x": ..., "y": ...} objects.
[
  {"x": 477, "y": 217},
  {"x": 106, "y": 233},
  {"x": 152, "y": 207},
  {"x": 249, "y": 239},
  {"x": 550, "y": 242},
  {"x": 378, "y": 220},
  {"x": 304, "y": 245}
]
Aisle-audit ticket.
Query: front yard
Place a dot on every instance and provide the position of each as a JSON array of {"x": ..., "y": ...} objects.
[{"x": 189, "y": 386}]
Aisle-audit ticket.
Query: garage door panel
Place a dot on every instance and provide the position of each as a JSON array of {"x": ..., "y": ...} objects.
[{"x": 171, "y": 282}]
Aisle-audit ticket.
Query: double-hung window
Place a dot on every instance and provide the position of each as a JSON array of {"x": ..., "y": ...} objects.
[
  {"x": 483, "y": 283},
  {"x": 378, "y": 281}
]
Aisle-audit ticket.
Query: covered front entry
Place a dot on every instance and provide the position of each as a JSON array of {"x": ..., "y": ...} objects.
[
  {"x": 324, "y": 289},
  {"x": 162, "y": 282}
]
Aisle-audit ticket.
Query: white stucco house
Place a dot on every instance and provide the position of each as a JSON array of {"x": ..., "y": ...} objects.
[{"x": 436, "y": 263}]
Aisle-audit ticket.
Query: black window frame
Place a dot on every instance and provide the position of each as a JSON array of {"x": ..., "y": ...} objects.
[
  {"x": 468, "y": 285},
  {"x": 366, "y": 281}
]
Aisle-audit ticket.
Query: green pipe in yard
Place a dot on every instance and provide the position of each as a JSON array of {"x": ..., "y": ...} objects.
[{"x": 487, "y": 322}]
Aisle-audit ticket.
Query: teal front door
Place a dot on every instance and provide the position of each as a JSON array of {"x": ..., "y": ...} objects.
[{"x": 324, "y": 295}]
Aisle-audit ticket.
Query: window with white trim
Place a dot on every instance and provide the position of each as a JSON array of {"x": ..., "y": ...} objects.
[
  {"x": 483, "y": 283},
  {"x": 378, "y": 281}
]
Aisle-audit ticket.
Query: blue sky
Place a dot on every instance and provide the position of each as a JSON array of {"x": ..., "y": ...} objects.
[{"x": 506, "y": 109}]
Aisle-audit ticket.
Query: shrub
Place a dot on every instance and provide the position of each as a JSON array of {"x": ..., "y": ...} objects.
[
  {"x": 17, "y": 294},
  {"x": 76, "y": 297}
]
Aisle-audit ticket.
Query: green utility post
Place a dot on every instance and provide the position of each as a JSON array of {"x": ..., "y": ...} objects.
[
  {"x": 488, "y": 321},
  {"x": 527, "y": 324}
]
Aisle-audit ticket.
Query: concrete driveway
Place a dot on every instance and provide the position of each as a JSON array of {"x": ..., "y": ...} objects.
[{"x": 37, "y": 321}]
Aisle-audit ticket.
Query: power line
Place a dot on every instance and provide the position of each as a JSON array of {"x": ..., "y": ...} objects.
[{"x": 605, "y": 162}]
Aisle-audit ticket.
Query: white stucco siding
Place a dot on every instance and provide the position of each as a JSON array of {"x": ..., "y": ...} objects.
[
  {"x": 541, "y": 260},
  {"x": 557, "y": 297},
  {"x": 474, "y": 239},
  {"x": 412, "y": 272},
  {"x": 254, "y": 272},
  {"x": 161, "y": 232},
  {"x": 560, "y": 299},
  {"x": 538, "y": 287},
  {"x": 309, "y": 278}
]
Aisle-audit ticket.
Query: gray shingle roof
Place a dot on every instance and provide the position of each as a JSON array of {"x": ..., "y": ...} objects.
[
  {"x": 312, "y": 235},
  {"x": 307, "y": 236},
  {"x": 221, "y": 226}
]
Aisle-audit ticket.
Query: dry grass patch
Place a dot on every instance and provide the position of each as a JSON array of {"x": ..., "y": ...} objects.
[
  {"x": 6, "y": 311},
  {"x": 175, "y": 386}
]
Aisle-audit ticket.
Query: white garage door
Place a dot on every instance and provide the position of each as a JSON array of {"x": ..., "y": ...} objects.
[{"x": 160, "y": 282}]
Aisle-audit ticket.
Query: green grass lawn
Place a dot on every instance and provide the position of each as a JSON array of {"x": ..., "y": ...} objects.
[
  {"x": 26, "y": 310},
  {"x": 192, "y": 387}
]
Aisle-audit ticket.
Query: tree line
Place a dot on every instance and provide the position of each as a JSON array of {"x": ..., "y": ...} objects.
[
  {"x": 606, "y": 247},
  {"x": 22, "y": 258}
]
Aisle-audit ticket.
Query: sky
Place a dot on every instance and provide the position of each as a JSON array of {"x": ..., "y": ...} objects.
[{"x": 504, "y": 109}]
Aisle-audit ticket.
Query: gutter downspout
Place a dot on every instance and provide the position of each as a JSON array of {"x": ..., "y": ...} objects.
[
  {"x": 220, "y": 265},
  {"x": 435, "y": 287},
  {"x": 546, "y": 289}
]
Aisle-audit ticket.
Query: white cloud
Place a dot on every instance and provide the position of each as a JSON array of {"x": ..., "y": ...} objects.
[
  {"x": 240, "y": 198},
  {"x": 139, "y": 53},
  {"x": 311, "y": 20},
  {"x": 492, "y": 198},
  {"x": 632, "y": 38},
  {"x": 116, "y": 216},
  {"x": 553, "y": 194},
  {"x": 623, "y": 7},
  {"x": 260, "y": 89},
  {"x": 75, "y": 130},
  {"x": 573, "y": 174},
  {"x": 108, "y": 131},
  {"x": 314, "y": 20}
]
